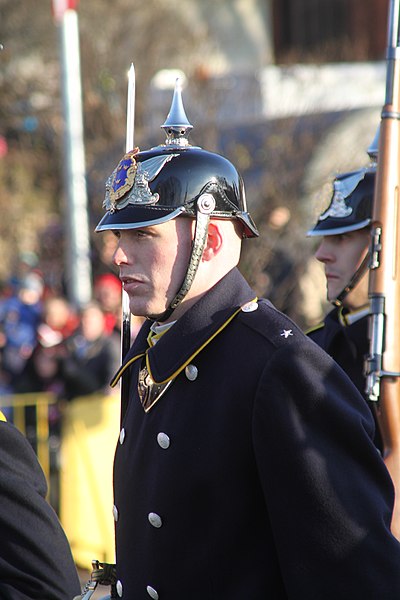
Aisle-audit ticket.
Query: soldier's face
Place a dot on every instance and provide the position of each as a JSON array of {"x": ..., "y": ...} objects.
[
  {"x": 342, "y": 255},
  {"x": 152, "y": 263}
]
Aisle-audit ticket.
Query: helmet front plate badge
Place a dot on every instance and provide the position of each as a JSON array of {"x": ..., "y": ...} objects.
[
  {"x": 338, "y": 208},
  {"x": 123, "y": 176},
  {"x": 129, "y": 183}
]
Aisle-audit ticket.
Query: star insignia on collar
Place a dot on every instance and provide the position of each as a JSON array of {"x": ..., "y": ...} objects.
[{"x": 286, "y": 332}]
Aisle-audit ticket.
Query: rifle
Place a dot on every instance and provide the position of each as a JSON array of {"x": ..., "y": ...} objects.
[{"x": 383, "y": 362}]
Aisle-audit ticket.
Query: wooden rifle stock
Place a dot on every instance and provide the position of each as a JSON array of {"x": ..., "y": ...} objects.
[{"x": 383, "y": 364}]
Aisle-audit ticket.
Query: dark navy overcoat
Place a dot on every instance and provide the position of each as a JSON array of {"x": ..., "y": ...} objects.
[
  {"x": 344, "y": 336},
  {"x": 35, "y": 558},
  {"x": 254, "y": 476}
]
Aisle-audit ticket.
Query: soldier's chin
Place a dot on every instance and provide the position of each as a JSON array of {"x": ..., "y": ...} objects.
[
  {"x": 154, "y": 311},
  {"x": 152, "y": 316},
  {"x": 332, "y": 294}
]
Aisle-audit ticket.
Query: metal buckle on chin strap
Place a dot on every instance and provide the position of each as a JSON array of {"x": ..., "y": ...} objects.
[{"x": 103, "y": 574}]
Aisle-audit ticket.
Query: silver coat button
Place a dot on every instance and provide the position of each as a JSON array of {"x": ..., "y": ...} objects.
[
  {"x": 163, "y": 440},
  {"x": 119, "y": 588},
  {"x": 155, "y": 519},
  {"x": 152, "y": 592},
  {"x": 250, "y": 307},
  {"x": 122, "y": 436},
  {"x": 191, "y": 372},
  {"x": 115, "y": 513}
]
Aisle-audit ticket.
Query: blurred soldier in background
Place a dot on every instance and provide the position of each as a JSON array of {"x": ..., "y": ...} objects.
[
  {"x": 344, "y": 251},
  {"x": 245, "y": 466}
]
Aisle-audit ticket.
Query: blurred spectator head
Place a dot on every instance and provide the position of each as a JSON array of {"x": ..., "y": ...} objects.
[
  {"x": 59, "y": 320},
  {"x": 31, "y": 288},
  {"x": 107, "y": 292},
  {"x": 45, "y": 362},
  {"x": 56, "y": 312},
  {"x": 93, "y": 323}
]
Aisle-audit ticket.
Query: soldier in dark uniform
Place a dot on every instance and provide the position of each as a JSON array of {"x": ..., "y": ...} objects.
[
  {"x": 245, "y": 467},
  {"x": 344, "y": 250},
  {"x": 35, "y": 558}
]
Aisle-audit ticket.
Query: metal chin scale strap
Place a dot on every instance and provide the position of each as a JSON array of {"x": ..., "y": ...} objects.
[
  {"x": 205, "y": 206},
  {"x": 150, "y": 392},
  {"x": 362, "y": 269}
]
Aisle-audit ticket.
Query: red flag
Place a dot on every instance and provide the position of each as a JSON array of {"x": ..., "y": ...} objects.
[{"x": 60, "y": 6}]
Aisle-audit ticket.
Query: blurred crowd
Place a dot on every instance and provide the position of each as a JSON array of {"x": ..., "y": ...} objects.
[{"x": 48, "y": 345}]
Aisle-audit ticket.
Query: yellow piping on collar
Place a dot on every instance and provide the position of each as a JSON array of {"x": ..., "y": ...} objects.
[
  {"x": 314, "y": 328},
  {"x": 176, "y": 373},
  {"x": 342, "y": 317},
  {"x": 123, "y": 369},
  {"x": 2, "y": 416}
]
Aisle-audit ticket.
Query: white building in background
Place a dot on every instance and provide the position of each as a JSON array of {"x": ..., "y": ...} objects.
[{"x": 303, "y": 89}]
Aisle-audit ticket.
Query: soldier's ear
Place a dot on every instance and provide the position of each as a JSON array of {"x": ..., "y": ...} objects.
[{"x": 214, "y": 241}]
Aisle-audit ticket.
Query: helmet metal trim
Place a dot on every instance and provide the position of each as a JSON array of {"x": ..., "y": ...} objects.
[
  {"x": 338, "y": 230},
  {"x": 140, "y": 224}
]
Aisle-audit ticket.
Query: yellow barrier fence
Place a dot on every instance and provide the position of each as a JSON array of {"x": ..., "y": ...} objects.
[
  {"x": 41, "y": 403},
  {"x": 89, "y": 435}
]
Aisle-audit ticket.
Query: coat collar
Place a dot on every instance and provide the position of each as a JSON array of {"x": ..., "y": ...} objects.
[
  {"x": 192, "y": 332},
  {"x": 345, "y": 317}
]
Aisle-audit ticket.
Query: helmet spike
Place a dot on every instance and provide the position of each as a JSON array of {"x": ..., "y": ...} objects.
[{"x": 177, "y": 126}]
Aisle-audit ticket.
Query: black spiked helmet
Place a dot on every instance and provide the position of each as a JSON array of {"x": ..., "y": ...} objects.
[
  {"x": 350, "y": 209},
  {"x": 173, "y": 180},
  {"x": 153, "y": 186}
]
